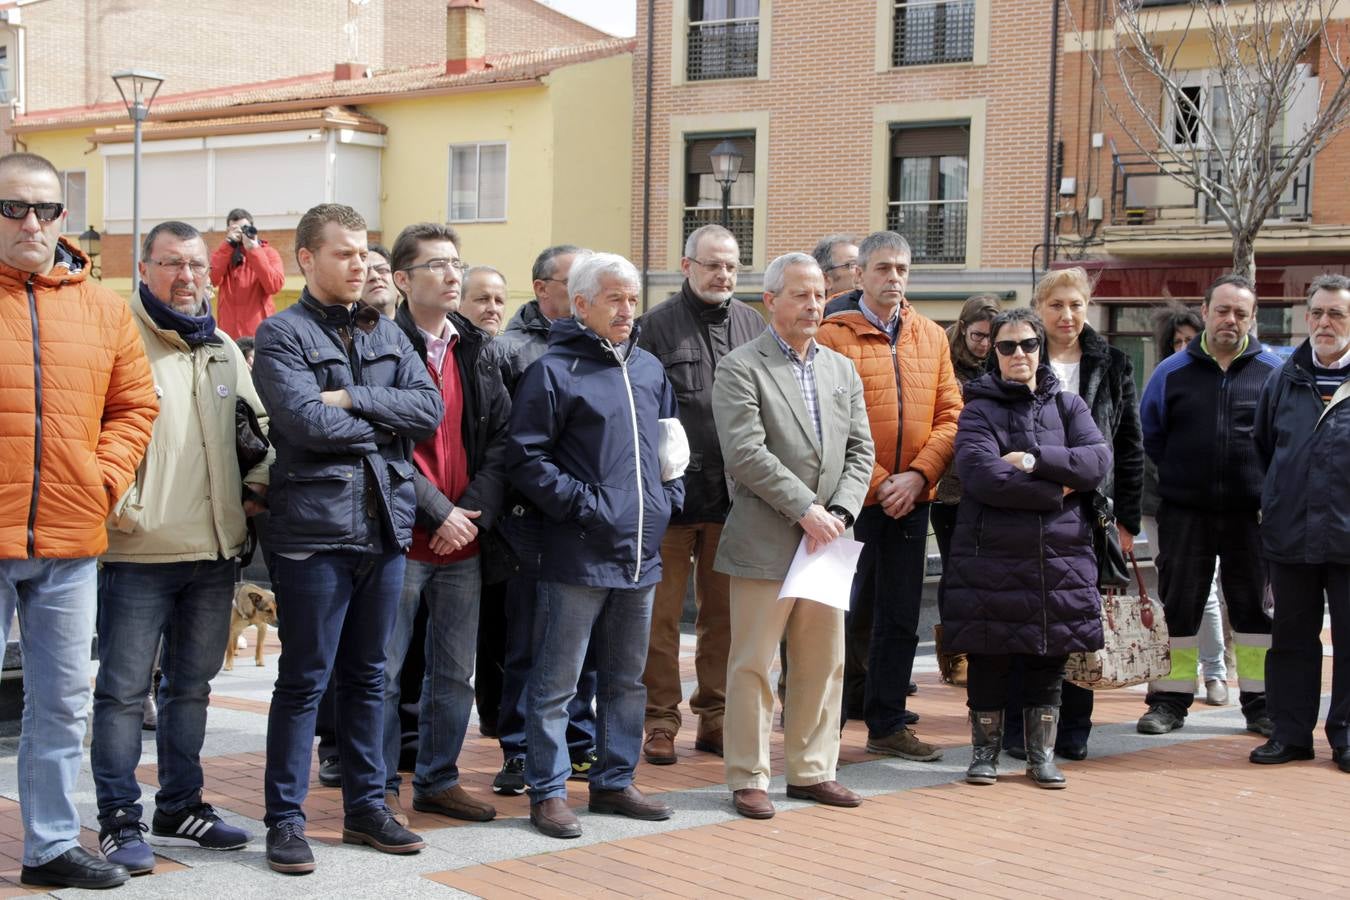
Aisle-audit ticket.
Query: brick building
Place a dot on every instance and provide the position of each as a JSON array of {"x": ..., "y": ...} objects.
[{"x": 926, "y": 116}]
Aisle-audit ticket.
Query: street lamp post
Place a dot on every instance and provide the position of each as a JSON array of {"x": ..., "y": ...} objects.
[
  {"x": 91, "y": 242},
  {"x": 138, "y": 89},
  {"x": 726, "y": 165}
]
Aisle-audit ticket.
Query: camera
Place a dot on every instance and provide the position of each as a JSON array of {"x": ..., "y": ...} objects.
[{"x": 249, "y": 231}]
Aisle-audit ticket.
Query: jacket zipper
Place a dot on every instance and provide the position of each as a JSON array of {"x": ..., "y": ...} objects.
[
  {"x": 899, "y": 406},
  {"x": 1045, "y": 594},
  {"x": 37, "y": 419},
  {"x": 1223, "y": 432},
  {"x": 637, "y": 465}
]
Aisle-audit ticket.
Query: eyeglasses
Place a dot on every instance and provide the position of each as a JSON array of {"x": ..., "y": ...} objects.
[
  {"x": 1332, "y": 315},
  {"x": 383, "y": 270},
  {"x": 19, "y": 209},
  {"x": 846, "y": 264},
  {"x": 979, "y": 337},
  {"x": 439, "y": 266},
  {"x": 198, "y": 268},
  {"x": 1008, "y": 348},
  {"x": 729, "y": 268}
]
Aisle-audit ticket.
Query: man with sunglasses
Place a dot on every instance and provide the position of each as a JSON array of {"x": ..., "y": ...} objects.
[
  {"x": 77, "y": 404},
  {"x": 246, "y": 272},
  {"x": 347, "y": 398},
  {"x": 460, "y": 477}
]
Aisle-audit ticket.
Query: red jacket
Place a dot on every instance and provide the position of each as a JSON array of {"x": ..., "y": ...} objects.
[{"x": 244, "y": 292}]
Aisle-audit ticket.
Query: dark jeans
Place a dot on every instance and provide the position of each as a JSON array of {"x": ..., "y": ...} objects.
[
  {"x": 987, "y": 684},
  {"x": 325, "y": 723},
  {"x": 490, "y": 662},
  {"x": 1294, "y": 663},
  {"x": 889, "y": 582},
  {"x": 335, "y": 611},
  {"x": 943, "y": 517}
]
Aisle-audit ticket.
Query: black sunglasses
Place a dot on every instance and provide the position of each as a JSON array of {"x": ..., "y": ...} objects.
[
  {"x": 1008, "y": 348},
  {"x": 18, "y": 210}
]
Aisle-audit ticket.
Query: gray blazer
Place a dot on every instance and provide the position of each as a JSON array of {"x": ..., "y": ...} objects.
[{"x": 771, "y": 451}]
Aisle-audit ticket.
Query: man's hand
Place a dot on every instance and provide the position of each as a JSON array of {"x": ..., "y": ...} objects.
[
  {"x": 235, "y": 233},
  {"x": 1126, "y": 539},
  {"x": 253, "y": 507},
  {"x": 339, "y": 398},
  {"x": 455, "y": 532},
  {"x": 250, "y": 243},
  {"x": 821, "y": 527},
  {"x": 899, "y": 493}
]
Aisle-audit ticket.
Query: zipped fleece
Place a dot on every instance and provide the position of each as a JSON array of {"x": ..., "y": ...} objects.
[
  {"x": 583, "y": 449},
  {"x": 77, "y": 404}
]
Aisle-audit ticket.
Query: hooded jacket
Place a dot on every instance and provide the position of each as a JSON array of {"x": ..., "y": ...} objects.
[
  {"x": 583, "y": 450},
  {"x": 77, "y": 404},
  {"x": 1303, "y": 447},
  {"x": 1023, "y": 573}
]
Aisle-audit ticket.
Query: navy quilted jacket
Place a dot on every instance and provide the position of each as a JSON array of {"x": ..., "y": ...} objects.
[{"x": 1023, "y": 574}]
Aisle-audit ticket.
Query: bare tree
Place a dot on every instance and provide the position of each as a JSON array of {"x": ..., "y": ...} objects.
[{"x": 1261, "y": 53}]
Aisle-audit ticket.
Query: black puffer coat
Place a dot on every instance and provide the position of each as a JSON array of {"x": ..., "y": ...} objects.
[{"x": 1023, "y": 574}]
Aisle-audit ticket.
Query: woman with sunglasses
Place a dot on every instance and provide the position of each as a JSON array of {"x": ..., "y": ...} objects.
[
  {"x": 1022, "y": 586},
  {"x": 1103, "y": 376}
]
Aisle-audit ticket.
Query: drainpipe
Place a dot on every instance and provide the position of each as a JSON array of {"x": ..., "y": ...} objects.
[
  {"x": 1050, "y": 134},
  {"x": 647, "y": 158}
]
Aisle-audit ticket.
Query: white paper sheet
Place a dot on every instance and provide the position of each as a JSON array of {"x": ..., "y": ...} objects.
[{"x": 825, "y": 576}]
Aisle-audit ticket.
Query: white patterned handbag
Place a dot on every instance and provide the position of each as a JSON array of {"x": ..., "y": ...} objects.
[{"x": 1136, "y": 647}]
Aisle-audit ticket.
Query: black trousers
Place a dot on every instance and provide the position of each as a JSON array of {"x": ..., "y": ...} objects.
[
  {"x": 987, "y": 684},
  {"x": 490, "y": 662},
  {"x": 1294, "y": 662},
  {"x": 943, "y": 517}
]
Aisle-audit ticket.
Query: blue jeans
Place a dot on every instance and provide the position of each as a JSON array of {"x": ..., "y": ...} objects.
[
  {"x": 189, "y": 603},
  {"x": 55, "y": 599},
  {"x": 618, "y": 622},
  {"x": 451, "y": 592},
  {"x": 334, "y": 614}
]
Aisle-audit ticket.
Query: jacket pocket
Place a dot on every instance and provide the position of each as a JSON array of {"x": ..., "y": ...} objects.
[
  {"x": 329, "y": 365},
  {"x": 379, "y": 363},
  {"x": 684, "y": 368},
  {"x": 320, "y": 500},
  {"x": 402, "y": 498}
]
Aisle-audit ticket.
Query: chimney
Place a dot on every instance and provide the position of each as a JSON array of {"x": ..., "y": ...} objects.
[
  {"x": 349, "y": 71},
  {"x": 465, "y": 36}
]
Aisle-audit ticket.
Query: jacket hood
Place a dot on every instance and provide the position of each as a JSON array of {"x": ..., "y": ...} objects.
[
  {"x": 70, "y": 266},
  {"x": 529, "y": 318},
  {"x": 991, "y": 386},
  {"x": 570, "y": 336}
]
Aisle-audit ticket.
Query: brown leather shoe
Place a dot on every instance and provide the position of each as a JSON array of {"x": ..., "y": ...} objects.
[
  {"x": 554, "y": 818},
  {"x": 396, "y": 807},
  {"x": 831, "y": 793},
  {"x": 629, "y": 802},
  {"x": 753, "y": 803},
  {"x": 659, "y": 748},
  {"x": 456, "y": 803},
  {"x": 709, "y": 741}
]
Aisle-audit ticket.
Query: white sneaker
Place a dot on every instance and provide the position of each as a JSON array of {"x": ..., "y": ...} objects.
[
  {"x": 1216, "y": 692},
  {"x": 242, "y": 643}
]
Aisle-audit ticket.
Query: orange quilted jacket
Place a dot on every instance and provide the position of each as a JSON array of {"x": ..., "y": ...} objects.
[
  {"x": 914, "y": 424},
  {"x": 76, "y": 407}
]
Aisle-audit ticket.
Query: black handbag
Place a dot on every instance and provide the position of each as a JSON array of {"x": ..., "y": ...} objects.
[
  {"x": 1112, "y": 569},
  {"x": 249, "y": 441}
]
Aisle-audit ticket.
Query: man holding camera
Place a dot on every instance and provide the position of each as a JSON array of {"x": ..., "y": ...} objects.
[{"x": 246, "y": 273}]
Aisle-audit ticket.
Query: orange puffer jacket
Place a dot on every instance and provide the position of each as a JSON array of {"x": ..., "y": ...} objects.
[
  {"x": 913, "y": 427},
  {"x": 76, "y": 408}
]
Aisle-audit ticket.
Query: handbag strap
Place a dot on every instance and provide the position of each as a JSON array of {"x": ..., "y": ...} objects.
[{"x": 1139, "y": 578}]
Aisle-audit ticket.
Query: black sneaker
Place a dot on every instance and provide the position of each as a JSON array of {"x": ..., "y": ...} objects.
[
  {"x": 581, "y": 768},
  {"x": 1261, "y": 725},
  {"x": 122, "y": 841},
  {"x": 378, "y": 829},
  {"x": 511, "y": 779},
  {"x": 330, "y": 772},
  {"x": 77, "y": 867},
  {"x": 196, "y": 826},
  {"x": 1160, "y": 719},
  {"x": 287, "y": 850}
]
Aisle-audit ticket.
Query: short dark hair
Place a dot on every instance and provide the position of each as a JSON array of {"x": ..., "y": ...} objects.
[
  {"x": 30, "y": 162},
  {"x": 1233, "y": 278},
  {"x": 1021, "y": 315},
  {"x": 382, "y": 250},
  {"x": 309, "y": 231},
  {"x": 409, "y": 242},
  {"x": 544, "y": 267},
  {"x": 245, "y": 345},
  {"x": 1167, "y": 319},
  {"x": 181, "y": 230},
  {"x": 236, "y": 214}
]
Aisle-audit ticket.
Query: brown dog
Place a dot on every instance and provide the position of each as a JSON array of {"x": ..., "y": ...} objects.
[{"x": 254, "y": 606}]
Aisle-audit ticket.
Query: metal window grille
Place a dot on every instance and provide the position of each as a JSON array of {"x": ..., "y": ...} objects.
[
  {"x": 727, "y": 48},
  {"x": 936, "y": 230},
  {"x": 742, "y": 226},
  {"x": 933, "y": 31}
]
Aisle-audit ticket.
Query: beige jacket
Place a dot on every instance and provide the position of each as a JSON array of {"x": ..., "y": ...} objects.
[{"x": 186, "y": 503}]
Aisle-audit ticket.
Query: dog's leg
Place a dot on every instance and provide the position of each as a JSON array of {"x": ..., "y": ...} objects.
[{"x": 262, "y": 636}]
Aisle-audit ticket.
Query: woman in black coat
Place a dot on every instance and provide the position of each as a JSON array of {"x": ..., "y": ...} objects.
[
  {"x": 1023, "y": 580},
  {"x": 1103, "y": 376}
]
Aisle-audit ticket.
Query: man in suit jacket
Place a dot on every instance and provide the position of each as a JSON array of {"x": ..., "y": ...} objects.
[{"x": 795, "y": 439}]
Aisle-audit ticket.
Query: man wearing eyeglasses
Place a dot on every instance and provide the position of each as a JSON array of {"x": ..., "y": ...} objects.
[
  {"x": 77, "y": 403},
  {"x": 347, "y": 397},
  {"x": 837, "y": 255},
  {"x": 690, "y": 333},
  {"x": 379, "y": 290},
  {"x": 169, "y": 569},
  {"x": 247, "y": 272},
  {"x": 460, "y": 478}
]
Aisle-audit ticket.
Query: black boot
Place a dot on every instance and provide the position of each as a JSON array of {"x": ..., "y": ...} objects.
[
  {"x": 1040, "y": 724},
  {"x": 986, "y": 732}
]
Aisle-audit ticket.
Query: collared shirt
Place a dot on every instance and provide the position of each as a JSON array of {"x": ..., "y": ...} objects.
[
  {"x": 805, "y": 372},
  {"x": 437, "y": 345},
  {"x": 888, "y": 328}
]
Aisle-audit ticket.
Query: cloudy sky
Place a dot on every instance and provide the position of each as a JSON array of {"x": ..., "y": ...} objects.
[{"x": 615, "y": 16}]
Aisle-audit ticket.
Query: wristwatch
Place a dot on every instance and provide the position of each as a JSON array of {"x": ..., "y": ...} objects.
[
  {"x": 1028, "y": 462},
  {"x": 842, "y": 515}
]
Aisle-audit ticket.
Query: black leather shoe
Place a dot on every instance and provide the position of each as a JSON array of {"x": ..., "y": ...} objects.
[
  {"x": 330, "y": 772},
  {"x": 1273, "y": 753},
  {"x": 77, "y": 867},
  {"x": 1072, "y": 751},
  {"x": 1341, "y": 756}
]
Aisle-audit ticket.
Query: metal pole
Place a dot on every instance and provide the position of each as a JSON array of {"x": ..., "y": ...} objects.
[
  {"x": 726, "y": 205},
  {"x": 137, "y": 114}
]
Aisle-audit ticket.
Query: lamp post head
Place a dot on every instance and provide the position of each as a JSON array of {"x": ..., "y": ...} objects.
[
  {"x": 138, "y": 89},
  {"x": 726, "y": 163},
  {"x": 91, "y": 242}
]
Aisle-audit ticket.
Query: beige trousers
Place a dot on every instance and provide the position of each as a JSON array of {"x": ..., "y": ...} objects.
[{"x": 815, "y": 684}]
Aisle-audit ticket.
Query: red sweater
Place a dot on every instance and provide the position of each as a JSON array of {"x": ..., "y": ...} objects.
[
  {"x": 244, "y": 292},
  {"x": 441, "y": 457}
]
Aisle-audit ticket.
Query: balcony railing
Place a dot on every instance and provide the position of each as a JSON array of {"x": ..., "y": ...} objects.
[
  {"x": 1143, "y": 193},
  {"x": 933, "y": 31},
  {"x": 727, "y": 48},
  {"x": 742, "y": 226},
  {"x": 936, "y": 230}
]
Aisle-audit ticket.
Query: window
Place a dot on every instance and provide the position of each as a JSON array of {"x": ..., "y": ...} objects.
[
  {"x": 723, "y": 39},
  {"x": 933, "y": 31},
  {"x": 5, "y": 91},
  {"x": 703, "y": 195},
  {"x": 928, "y": 179},
  {"x": 73, "y": 188},
  {"x": 478, "y": 183}
]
